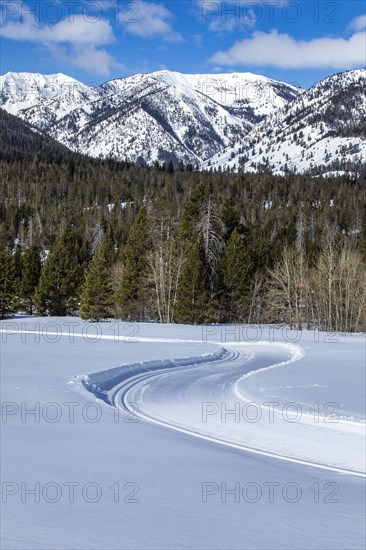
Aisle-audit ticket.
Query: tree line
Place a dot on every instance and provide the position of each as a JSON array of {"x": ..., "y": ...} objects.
[
  {"x": 110, "y": 239},
  {"x": 205, "y": 266}
]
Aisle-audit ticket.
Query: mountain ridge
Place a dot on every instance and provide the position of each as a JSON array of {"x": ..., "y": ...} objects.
[
  {"x": 229, "y": 121},
  {"x": 165, "y": 115},
  {"x": 323, "y": 130}
]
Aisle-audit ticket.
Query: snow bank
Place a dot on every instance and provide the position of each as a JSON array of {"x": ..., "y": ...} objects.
[{"x": 100, "y": 383}]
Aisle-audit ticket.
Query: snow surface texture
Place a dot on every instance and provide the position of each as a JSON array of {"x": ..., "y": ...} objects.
[{"x": 172, "y": 443}]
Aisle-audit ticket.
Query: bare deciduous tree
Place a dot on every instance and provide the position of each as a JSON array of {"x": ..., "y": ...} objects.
[
  {"x": 288, "y": 294},
  {"x": 338, "y": 280},
  {"x": 256, "y": 306},
  {"x": 210, "y": 231},
  {"x": 165, "y": 263},
  {"x": 331, "y": 295}
]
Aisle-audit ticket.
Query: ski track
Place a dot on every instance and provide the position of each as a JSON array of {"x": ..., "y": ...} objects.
[
  {"x": 125, "y": 386},
  {"x": 127, "y": 394}
]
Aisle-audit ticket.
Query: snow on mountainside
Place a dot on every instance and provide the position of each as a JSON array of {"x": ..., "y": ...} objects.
[
  {"x": 227, "y": 121},
  {"x": 322, "y": 132},
  {"x": 146, "y": 117},
  {"x": 51, "y": 96}
]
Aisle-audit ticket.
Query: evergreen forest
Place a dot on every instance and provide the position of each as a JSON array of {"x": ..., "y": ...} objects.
[{"x": 106, "y": 239}]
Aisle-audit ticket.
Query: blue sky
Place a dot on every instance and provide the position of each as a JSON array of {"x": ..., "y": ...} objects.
[{"x": 95, "y": 40}]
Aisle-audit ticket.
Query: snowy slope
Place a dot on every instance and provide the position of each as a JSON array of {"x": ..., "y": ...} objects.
[
  {"x": 43, "y": 99},
  {"x": 146, "y": 117},
  {"x": 163, "y": 488},
  {"x": 323, "y": 130},
  {"x": 228, "y": 121}
]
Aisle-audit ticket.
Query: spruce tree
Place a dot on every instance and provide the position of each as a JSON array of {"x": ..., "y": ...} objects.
[
  {"x": 97, "y": 294},
  {"x": 192, "y": 304},
  {"x": 132, "y": 297},
  {"x": 7, "y": 283},
  {"x": 59, "y": 285},
  {"x": 18, "y": 268},
  {"x": 236, "y": 269},
  {"x": 30, "y": 277},
  {"x": 191, "y": 212},
  {"x": 230, "y": 215}
]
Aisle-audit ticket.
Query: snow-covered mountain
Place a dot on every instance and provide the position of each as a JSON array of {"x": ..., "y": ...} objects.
[
  {"x": 322, "y": 132},
  {"x": 227, "y": 121},
  {"x": 51, "y": 96},
  {"x": 146, "y": 117}
]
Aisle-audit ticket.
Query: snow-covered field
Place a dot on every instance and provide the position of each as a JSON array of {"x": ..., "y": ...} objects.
[{"x": 164, "y": 436}]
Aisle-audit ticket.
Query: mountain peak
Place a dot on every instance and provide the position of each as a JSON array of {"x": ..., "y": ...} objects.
[
  {"x": 36, "y": 77},
  {"x": 322, "y": 131},
  {"x": 229, "y": 120}
]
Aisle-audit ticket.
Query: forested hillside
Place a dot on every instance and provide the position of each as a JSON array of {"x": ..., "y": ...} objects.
[
  {"x": 112, "y": 239},
  {"x": 323, "y": 131}
]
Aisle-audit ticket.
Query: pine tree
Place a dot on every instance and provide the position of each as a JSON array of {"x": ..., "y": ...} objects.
[
  {"x": 236, "y": 269},
  {"x": 132, "y": 297},
  {"x": 59, "y": 285},
  {"x": 7, "y": 283},
  {"x": 191, "y": 212},
  {"x": 97, "y": 295},
  {"x": 109, "y": 247},
  {"x": 18, "y": 268},
  {"x": 192, "y": 304},
  {"x": 30, "y": 277},
  {"x": 230, "y": 215}
]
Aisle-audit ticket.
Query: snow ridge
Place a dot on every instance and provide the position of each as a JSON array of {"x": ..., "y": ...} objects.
[
  {"x": 323, "y": 131},
  {"x": 234, "y": 121},
  {"x": 101, "y": 383},
  {"x": 145, "y": 118}
]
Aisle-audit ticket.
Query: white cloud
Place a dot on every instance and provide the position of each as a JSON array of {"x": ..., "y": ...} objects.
[
  {"x": 358, "y": 23},
  {"x": 228, "y": 24},
  {"x": 76, "y": 41},
  {"x": 93, "y": 60},
  {"x": 151, "y": 20},
  {"x": 281, "y": 50},
  {"x": 76, "y": 31}
]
